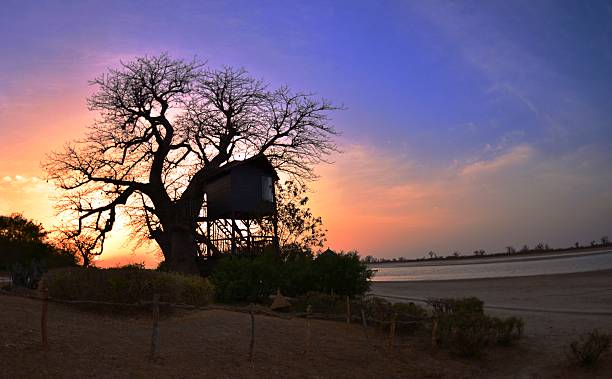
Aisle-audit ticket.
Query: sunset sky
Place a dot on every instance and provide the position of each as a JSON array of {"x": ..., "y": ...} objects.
[{"x": 467, "y": 125}]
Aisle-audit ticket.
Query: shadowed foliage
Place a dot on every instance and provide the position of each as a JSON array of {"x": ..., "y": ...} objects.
[
  {"x": 24, "y": 241},
  {"x": 129, "y": 284},
  {"x": 254, "y": 279},
  {"x": 587, "y": 350}
]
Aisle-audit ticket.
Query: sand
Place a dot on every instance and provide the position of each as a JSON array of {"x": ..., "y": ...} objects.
[
  {"x": 204, "y": 344},
  {"x": 214, "y": 344}
]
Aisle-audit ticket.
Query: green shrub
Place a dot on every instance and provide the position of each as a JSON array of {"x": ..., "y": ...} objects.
[
  {"x": 410, "y": 317},
  {"x": 320, "y": 303},
  {"x": 341, "y": 274},
  {"x": 297, "y": 275},
  {"x": 466, "y": 330},
  {"x": 467, "y": 305},
  {"x": 467, "y": 334},
  {"x": 508, "y": 330},
  {"x": 128, "y": 285},
  {"x": 253, "y": 279},
  {"x": 246, "y": 279},
  {"x": 587, "y": 350},
  {"x": 377, "y": 309}
]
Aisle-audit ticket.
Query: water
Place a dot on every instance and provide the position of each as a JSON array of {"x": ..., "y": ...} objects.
[{"x": 495, "y": 267}]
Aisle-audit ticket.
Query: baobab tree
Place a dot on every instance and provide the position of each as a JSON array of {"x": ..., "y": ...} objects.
[{"x": 164, "y": 127}]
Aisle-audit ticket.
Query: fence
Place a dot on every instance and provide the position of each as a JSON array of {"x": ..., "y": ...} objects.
[{"x": 252, "y": 310}]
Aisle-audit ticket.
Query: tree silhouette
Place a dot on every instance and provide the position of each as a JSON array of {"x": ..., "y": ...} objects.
[
  {"x": 81, "y": 245},
  {"x": 298, "y": 227},
  {"x": 164, "y": 127},
  {"x": 479, "y": 252},
  {"x": 24, "y": 242},
  {"x": 15, "y": 227}
]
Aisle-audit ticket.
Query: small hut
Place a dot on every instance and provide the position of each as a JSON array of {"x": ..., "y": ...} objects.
[{"x": 241, "y": 191}]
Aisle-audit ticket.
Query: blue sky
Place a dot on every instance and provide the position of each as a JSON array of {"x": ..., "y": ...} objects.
[{"x": 514, "y": 94}]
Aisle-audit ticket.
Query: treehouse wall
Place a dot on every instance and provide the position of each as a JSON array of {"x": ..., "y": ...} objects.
[{"x": 240, "y": 194}]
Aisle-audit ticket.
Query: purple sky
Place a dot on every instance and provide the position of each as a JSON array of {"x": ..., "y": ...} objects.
[{"x": 468, "y": 125}]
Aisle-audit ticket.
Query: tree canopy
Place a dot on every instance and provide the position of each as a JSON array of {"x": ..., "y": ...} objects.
[{"x": 23, "y": 240}]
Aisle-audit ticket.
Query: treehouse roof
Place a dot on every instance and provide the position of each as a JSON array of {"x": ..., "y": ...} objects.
[{"x": 259, "y": 161}]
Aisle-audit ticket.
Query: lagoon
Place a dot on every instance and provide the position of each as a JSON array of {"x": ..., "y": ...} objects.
[{"x": 495, "y": 267}]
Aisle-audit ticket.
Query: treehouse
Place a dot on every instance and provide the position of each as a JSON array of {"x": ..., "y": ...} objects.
[
  {"x": 239, "y": 197},
  {"x": 242, "y": 190}
]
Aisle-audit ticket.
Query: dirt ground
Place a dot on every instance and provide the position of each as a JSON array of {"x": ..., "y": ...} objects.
[{"x": 208, "y": 344}]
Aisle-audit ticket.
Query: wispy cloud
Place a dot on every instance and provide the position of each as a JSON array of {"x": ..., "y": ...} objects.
[
  {"x": 518, "y": 155},
  {"x": 387, "y": 205},
  {"x": 516, "y": 66}
]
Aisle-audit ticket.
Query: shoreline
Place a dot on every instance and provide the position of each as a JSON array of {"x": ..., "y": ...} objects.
[
  {"x": 471, "y": 260},
  {"x": 604, "y": 270},
  {"x": 580, "y": 293}
]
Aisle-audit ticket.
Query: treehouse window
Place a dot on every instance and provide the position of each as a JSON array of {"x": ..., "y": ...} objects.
[{"x": 267, "y": 190}]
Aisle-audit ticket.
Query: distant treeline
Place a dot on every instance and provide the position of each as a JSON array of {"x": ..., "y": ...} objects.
[{"x": 510, "y": 250}]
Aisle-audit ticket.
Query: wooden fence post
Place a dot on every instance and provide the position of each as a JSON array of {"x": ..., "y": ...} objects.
[
  {"x": 155, "y": 335},
  {"x": 364, "y": 322},
  {"x": 348, "y": 310},
  {"x": 308, "y": 330},
  {"x": 434, "y": 332},
  {"x": 44, "y": 294},
  {"x": 252, "y": 345},
  {"x": 392, "y": 333}
]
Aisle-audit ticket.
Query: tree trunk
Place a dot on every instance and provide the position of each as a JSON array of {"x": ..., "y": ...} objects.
[{"x": 183, "y": 252}]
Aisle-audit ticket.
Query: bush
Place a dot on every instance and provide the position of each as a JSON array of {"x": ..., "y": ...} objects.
[
  {"x": 380, "y": 311},
  {"x": 320, "y": 303},
  {"x": 445, "y": 306},
  {"x": 128, "y": 285},
  {"x": 465, "y": 334},
  {"x": 508, "y": 330},
  {"x": 411, "y": 317},
  {"x": 466, "y": 330},
  {"x": 377, "y": 310},
  {"x": 342, "y": 274},
  {"x": 253, "y": 279},
  {"x": 589, "y": 348},
  {"x": 244, "y": 279}
]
